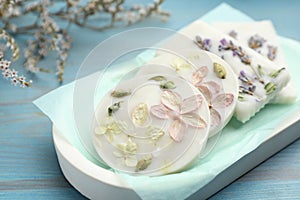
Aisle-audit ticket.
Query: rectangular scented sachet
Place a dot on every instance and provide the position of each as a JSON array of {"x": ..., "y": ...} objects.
[
  {"x": 261, "y": 36},
  {"x": 260, "y": 79}
]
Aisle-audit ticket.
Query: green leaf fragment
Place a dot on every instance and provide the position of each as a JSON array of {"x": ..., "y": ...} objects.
[
  {"x": 260, "y": 70},
  {"x": 158, "y": 78},
  {"x": 220, "y": 70},
  {"x": 167, "y": 85},
  {"x": 143, "y": 163},
  {"x": 270, "y": 87},
  {"x": 113, "y": 108},
  {"x": 276, "y": 73},
  {"x": 120, "y": 93},
  {"x": 155, "y": 133},
  {"x": 240, "y": 97}
]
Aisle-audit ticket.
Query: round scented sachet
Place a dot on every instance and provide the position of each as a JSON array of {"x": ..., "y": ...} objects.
[
  {"x": 207, "y": 72},
  {"x": 153, "y": 125}
]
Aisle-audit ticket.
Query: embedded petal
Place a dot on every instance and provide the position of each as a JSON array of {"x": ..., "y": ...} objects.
[
  {"x": 223, "y": 100},
  {"x": 213, "y": 86},
  {"x": 159, "y": 111},
  {"x": 194, "y": 120},
  {"x": 131, "y": 161},
  {"x": 176, "y": 130},
  {"x": 100, "y": 130},
  {"x": 140, "y": 114},
  {"x": 199, "y": 74},
  {"x": 118, "y": 154},
  {"x": 215, "y": 117},
  {"x": 191, "y": 103},
  {"x": 171, "y": 100},
  {"x": 205, "y": 91}
]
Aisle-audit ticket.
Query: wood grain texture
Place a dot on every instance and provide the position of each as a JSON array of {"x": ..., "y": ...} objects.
[{"x": 28, "y": 163}]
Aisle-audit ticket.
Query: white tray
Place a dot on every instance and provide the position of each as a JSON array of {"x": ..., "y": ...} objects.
[{"x": 95, "y": 182}]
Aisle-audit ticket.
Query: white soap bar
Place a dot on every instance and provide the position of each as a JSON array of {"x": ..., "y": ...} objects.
[
  {"x": 151, "y": 125},
  {"x": 260, "y": 79},
  {"x": 187, "y": 66},
  {"x": 261, "y": 36}
]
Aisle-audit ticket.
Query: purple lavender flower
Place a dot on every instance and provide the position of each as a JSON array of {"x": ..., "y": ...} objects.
[
  {"x": 243, "y": 73},
  {"x": 234, "y": 53},
  {"x": 245, "y": 59},
  {"x": 204, "y": 44},
  {"x": 252, "y": 88},
  {"x": 256, "y": 42},
  {"x": 272, "y": 51},
  {"x": 233, "y": 34},
  {"x": 223, "y": 42}
]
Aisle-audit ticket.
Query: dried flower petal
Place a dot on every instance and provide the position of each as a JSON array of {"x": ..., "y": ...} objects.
[
  {"x": 204, "y": 44},
  {"x": 100, "y": 130},
  {"x": 143, "y": 163},
  {"x": 270, "y": 87},
  {"x": 199, "y": 75},
  {"x": 272, "y": 52},
  {"x": 155, "y": 133},
  {"x": 176, "y": 130},
  {"x": 276, "y": 73},
  {"x": 118, "y": 154},
  {"x": 113, "y": 108},
  {"x": 171, "y": 100},
  {"x": 131, "y": 161},
  {"x": 214, "y": 87},
  {"x": 127, "y": 151},
  {"x": 180, "y": 64},
  {"x": 167, "y": 85},
  {"x": 140, "y": 114},
  {"x": 220, "y": 70},
  {"x": 159, "y": 111},
  {"x": 120, "y": 93},
  {"x": 233, "y": 34},
  {"x": 193, "y": 120},
  {"x": 158, "y": 78},
  {"x": 110, "y": 129},
  {"x": 205, "y": 91},
  {"x": 131, "y": 147},
  {"x": 256, "y": 41},
  {"x": 223, "y": 100},
  {"x": 191, "y": 104},
  {"x": 215, "y": 117},
  {"x": 260, "y": 70}
]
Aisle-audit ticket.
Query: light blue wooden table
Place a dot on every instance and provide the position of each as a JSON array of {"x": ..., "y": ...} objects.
[{"x": 28, "y": 163}]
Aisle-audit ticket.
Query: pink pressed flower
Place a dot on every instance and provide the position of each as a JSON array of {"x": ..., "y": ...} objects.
[
  {"x": 222, "y": 100},
  {"x": 181, "y": 111},
  {"x": 198, "y": 77},
  {"x": 210, "y": 89}
]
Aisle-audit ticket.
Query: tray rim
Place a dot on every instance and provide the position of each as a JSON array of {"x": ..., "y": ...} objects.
[{"x": 68, "y": 155}]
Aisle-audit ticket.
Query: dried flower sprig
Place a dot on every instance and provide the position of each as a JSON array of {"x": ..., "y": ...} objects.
[
  {"x": 47, "y": 35},
  {"x": 256, "y": 42},
  {"x": 233, "y": 34},
  {"x": 236, "y": 50},
  {"x": 204, "y": 44},
  {"x": 12, "y": 74},
  {"x": 272, "y": 52},
  {"x": 7, "y": 72}
]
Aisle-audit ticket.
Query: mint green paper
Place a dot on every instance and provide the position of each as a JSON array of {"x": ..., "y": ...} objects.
[{"x": 235, "y": 141}]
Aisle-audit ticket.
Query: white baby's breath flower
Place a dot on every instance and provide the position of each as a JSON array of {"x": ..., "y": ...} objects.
[
  {"x": 13, "y": 73},
  {"x": 112, "y": 9},
  {"x": 14, "y": 81},
  {"x": 45, "y": 30}
]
